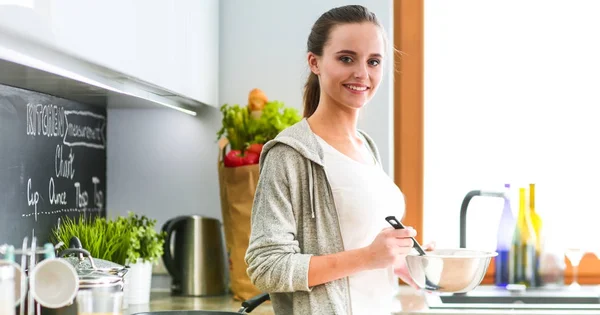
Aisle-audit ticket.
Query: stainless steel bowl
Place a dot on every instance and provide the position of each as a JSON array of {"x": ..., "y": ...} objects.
[{"x": 449, "y": 270}]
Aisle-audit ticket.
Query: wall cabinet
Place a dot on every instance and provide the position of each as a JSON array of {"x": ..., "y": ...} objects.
[{"x": 169, "y": 43}]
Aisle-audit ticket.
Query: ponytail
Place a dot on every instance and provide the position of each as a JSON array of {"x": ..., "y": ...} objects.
[{"x": 312, "y": 93}]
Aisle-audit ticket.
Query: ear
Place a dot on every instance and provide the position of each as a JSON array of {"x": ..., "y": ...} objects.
[{"x": 313, "y": 63}]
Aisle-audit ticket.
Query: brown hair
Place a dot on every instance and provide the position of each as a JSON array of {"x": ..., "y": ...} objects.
[{"x": 319, "y": 36}]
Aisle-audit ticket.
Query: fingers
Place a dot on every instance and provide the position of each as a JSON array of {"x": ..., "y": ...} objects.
[
  {"x": 400, "y": 242},
  {"x": 404, "y": 242},
  {"x": 404, "y": 233}
]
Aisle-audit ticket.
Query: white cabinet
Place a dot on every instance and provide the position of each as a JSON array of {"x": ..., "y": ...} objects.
[{"x": 169, "y": 43}]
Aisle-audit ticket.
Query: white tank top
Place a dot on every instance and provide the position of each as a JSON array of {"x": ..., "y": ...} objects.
[{"x": 364, "y": 195}]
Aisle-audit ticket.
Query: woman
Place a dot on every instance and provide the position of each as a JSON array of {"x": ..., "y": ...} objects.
[{"x": 320, "y": 243}]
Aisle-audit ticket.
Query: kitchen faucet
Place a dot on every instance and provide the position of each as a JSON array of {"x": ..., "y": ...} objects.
[{"x": 465, "y": 205}]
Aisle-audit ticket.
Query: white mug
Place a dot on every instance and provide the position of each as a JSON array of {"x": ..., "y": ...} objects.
[
  {"x": 54, "y": 283},
  {"x": 7, "y": 290},
  {"x": 18, "y": 273}
]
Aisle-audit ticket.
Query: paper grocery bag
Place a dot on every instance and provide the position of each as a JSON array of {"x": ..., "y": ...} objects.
[{"x": 237, "y": 186}]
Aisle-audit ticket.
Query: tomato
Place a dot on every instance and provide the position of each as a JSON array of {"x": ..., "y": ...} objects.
[
  {"x": 255, "y": 147},
  {"x": 252, "y": 157},
  {"x": 235, "y": 158}
]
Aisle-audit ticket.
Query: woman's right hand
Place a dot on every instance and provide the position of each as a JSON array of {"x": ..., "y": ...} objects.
[{"x": 389, "y": 246}]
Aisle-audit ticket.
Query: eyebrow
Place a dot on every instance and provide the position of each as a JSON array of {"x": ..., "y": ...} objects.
[{"x": 353, "y": 53}]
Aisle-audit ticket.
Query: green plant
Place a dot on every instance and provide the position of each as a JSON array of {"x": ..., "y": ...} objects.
[
  {"x": 122, "y": 240},
  {"x": 146, "y": 244},
  {"x": 104, "y": 239}
]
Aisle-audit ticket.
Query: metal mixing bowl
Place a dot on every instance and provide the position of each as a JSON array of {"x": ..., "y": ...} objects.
[{"x": 449, "y": 270}]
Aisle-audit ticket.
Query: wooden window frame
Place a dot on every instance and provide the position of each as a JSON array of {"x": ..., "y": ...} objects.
[{"x": 409, "y": 125}]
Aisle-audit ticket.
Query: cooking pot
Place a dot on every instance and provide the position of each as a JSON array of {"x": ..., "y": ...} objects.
[{"x": 94, "y": 274}]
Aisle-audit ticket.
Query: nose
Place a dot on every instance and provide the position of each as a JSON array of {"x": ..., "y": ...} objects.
[{"x": 360, "y": 71}]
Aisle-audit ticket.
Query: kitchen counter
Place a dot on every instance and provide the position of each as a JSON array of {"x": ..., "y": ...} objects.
[
  {"x": 409, "y": 302},
  {"x": 164, "y": 301}
]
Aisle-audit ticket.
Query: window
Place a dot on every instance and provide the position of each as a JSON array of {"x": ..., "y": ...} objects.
[{"x": 510, "y": 95}]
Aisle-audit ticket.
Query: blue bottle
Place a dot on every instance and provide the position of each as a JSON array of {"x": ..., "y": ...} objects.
[{"x": 504, "y": 241}]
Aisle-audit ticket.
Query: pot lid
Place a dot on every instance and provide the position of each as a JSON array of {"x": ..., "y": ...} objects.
[
  {"x": 90, "y": 263},
  {"x": 91, "y": 271}
]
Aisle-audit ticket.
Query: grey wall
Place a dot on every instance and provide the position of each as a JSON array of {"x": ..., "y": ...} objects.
[{"x": 162, "y": 163}]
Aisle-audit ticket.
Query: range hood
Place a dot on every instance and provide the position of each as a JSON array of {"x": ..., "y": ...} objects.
[{"x": 33, "y": 66}]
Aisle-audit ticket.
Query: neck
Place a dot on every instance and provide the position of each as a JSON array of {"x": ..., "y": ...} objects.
[{"x": 334, "y": 121}]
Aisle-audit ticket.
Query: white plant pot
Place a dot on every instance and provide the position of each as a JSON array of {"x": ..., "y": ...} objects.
[{"x": 137, "y": 283}]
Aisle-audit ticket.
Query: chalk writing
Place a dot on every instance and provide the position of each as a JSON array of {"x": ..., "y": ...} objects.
[
  {"x": 47, "y": 120},
  {"x": 64, "y": 167},
  {"x": 65, "y": 210},
  {"x": 32, "y": 198},
  {"x": 81, "y": 198},
  {"x": 60, "y": 198},
  {"x": 84, "y": 129},
  {"x": 52, "y": 162},
  {"x": 98, "y": 194}
]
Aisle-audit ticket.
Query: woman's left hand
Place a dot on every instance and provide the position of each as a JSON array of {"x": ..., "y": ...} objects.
[{"x": 401, "y": 270}]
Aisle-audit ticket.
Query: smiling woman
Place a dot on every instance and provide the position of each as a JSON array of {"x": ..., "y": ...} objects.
[{"x": 319, "y": 241}]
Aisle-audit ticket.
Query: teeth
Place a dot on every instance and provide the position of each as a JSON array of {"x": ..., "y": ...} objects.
[{"x": 357, "y": 88}]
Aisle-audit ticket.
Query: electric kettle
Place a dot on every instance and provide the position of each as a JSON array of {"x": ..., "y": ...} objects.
[{"x": 194, "y": 256}]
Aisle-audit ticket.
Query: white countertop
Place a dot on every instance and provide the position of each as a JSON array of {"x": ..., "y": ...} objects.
[
  {"x": 502, "y": 312},
  {"x": 414, "y": 302},
  {"x": 409, "y": 302}
]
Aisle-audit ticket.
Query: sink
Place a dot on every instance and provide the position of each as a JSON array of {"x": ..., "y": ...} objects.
[{"x": 491, "y": 297}]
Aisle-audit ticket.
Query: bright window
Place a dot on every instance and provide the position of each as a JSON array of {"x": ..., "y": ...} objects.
[{"x": 512, "y": 95}]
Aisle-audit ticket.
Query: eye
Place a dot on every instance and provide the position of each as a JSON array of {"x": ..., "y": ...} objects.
[
  {"x": 374, "y": 62},
  {"x": 345, "y": 59}
]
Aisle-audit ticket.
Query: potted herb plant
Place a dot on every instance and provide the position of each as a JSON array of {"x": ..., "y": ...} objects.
[
  {"x": 131, "y": 241},
  {"x": 146, "y": 248}
]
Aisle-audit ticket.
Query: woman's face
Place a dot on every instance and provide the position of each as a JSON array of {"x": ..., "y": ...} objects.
[{"x": 350, "y": 69}]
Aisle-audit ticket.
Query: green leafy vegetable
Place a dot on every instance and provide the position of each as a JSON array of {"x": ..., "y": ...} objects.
[{"x": 241, "y": 129}]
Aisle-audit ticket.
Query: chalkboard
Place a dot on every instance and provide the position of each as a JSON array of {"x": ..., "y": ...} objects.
[{"x": 52, "y": 163}]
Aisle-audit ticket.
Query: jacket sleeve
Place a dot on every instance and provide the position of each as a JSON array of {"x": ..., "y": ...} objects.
[{"x": 275, "y": 263}]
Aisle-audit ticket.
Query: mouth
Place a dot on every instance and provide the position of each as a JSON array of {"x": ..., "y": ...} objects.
[{"x": 356, "y": 88}]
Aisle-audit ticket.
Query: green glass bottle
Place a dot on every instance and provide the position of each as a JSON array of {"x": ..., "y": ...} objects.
[
  {"x": 536, "y": 222},
  {"x": 523, "y": 246}
]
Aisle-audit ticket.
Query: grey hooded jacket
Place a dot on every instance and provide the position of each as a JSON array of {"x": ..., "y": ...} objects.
[{"x": 293, "y": 218}]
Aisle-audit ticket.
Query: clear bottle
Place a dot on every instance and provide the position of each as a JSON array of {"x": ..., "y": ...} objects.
[
  {"x": 504, "y": 241},
  {"x": 523, "y": 246},
  {"x": 552, "y": 261}
]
